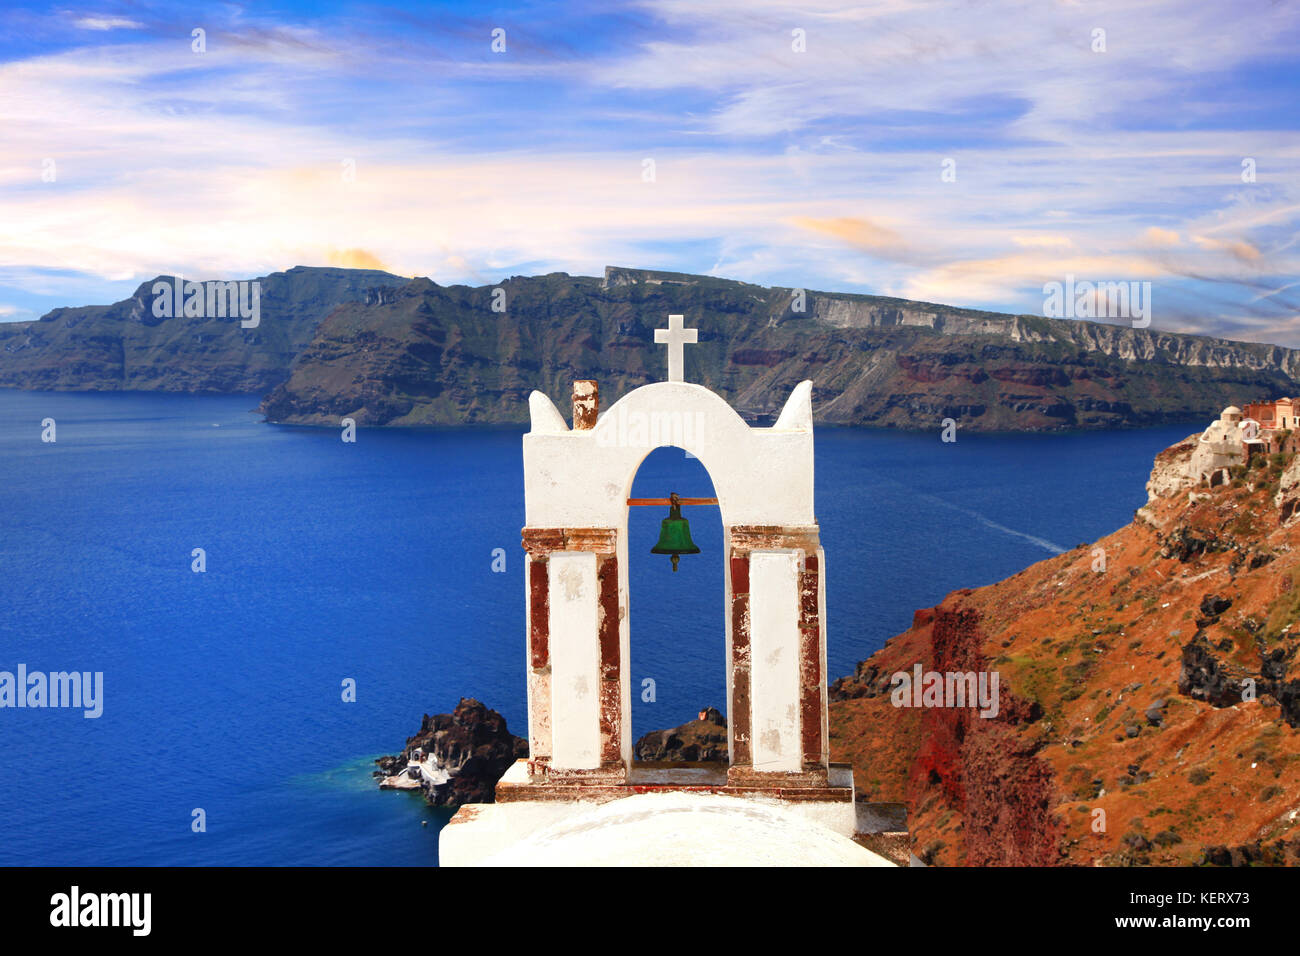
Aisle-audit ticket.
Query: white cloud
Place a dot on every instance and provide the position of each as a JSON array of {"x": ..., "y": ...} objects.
[
  {"x": 107, "y": 23},
  {"x": 229, "y": 163}
]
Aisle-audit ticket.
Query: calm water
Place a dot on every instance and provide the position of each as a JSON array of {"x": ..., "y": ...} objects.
[{"x": 373, "y": 561}]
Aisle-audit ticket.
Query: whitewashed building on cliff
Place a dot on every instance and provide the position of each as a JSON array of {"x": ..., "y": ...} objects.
[{"x": 579, "y": 798}]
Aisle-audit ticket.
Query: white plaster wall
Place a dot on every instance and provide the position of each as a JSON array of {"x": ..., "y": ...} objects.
[
  {"x": 497, "y": 826},
  {"x": 575, "y": 661},
  {"x": 655, "y": 829},
  {"x": 581, "y": 479},
  {"x": 840, "y": 816},
  {"x": 774, "y": 660}
]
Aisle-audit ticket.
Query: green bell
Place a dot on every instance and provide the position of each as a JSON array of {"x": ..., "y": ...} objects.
[{"x": 675, "y": 533}]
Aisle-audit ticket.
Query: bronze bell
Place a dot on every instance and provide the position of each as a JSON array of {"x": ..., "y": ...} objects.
[{"x": 675, "y": 533}]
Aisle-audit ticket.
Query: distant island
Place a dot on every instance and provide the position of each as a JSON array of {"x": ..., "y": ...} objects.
[{"x": 389, "y": 351}]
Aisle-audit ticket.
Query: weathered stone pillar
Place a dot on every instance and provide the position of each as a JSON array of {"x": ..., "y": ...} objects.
[
  {"x": 586, "y": 404},
  {"x": 738, "y": 656},
  {"x": 575, "y": 672},
  {"x": 539, "y": 543},
  {"x": 777, "y": 692},
  {"x": 813, "y": 723}
]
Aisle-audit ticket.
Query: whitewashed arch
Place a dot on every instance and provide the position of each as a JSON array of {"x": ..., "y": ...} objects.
[
  {"x": 576, "y": 485},
  {"x": 582, "y": 478}
]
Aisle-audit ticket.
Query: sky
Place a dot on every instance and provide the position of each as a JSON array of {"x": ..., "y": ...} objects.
[{"x": 957, "y": 152}]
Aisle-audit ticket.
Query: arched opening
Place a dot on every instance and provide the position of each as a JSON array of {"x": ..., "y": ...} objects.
[
  {"x": 762, "y": 651},
  {"x": 678, "y": 619}
]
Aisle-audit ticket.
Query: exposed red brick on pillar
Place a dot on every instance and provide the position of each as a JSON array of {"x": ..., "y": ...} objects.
[
  {"x": 611, "y": 710},
  {"x": 586, "y": 404},
  {"x": 539, "y": 625},
  {"x": 540, "y": 542},
  {"x": 741, "y": 754},
  {"x": 812, "y": 683}
]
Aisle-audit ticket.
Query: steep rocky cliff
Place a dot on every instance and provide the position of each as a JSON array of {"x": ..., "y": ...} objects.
[
  {"x": 430, "y": 354},
  {"x": 1149, "y": 693},
  {"x": 125, "y": 347},
  {"x": 385, "y": 351},
  {"x": 455, "y": 758}
]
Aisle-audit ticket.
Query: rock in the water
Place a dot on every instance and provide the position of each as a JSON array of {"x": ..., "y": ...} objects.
[
  {"x": 704, "y": 738},
  {"x": 456, "y": 758}
]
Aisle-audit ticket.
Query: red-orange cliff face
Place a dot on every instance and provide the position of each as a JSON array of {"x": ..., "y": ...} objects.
[{"x": 1149, "y": 706}]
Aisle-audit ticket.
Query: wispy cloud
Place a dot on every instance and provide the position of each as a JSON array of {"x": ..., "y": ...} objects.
[
  {"x": 107, "y": 23},
  {"x": 962, "y": 154}
]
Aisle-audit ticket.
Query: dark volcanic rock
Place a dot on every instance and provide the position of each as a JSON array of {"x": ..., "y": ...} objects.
[
  {"x": 1185, "y": 545},
  {"x": 1155, "y": 713},
  {"x": 471, "y": 744},
  {"x": 704, "y": 738},
  {"x": 868, "y": 680},
  {"x": 1288, "y": 695},
  {"x": 1203, "y": 676},
  {"x": 1212, "y": 605},
  {"x": 1278, "y": 853}
]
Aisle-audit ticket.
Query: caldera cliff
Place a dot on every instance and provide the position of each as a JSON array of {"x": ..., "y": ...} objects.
[
  {"x": 387, "y": 351},
  {"x": 1149, "y": 693}
]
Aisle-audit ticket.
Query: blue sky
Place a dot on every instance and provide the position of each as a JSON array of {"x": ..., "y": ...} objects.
[{"x": 798, "y": 145}]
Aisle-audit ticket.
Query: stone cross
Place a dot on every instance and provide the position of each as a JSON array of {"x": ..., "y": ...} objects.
[{"x": 675, "y": 337}]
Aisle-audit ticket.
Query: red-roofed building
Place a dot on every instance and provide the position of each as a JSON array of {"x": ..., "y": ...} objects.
[
  {"x": 1279, "y": 426},
  {"x": 1279, "y": 413}
]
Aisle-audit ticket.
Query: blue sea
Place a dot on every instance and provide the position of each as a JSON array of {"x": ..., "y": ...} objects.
[{"x": 372, "y": 562}]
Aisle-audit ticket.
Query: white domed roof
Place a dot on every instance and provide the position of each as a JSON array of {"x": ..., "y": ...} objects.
[{"x": 686, "y": 829}]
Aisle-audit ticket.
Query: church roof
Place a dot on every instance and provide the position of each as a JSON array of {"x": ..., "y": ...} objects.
[{"x": 686, "y": 829}]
